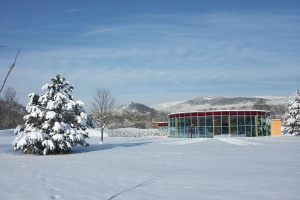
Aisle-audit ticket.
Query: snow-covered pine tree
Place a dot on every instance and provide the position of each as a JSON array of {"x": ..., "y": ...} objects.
[
  {"x": 293, "y": 114},
  {"x": 54, "y": 123}
]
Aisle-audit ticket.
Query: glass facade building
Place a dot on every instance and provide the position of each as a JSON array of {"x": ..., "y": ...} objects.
[
  {"x": 162, "y": 126},
  {"x": 219, "y": 123}
]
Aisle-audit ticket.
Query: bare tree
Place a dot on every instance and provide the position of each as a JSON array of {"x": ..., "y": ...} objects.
[
  {"x": 103, "y": 107},
  {"x": 10, "y": 94},
  {"x": 10, "y": 69},
  {"x": 278, "y": 111}
]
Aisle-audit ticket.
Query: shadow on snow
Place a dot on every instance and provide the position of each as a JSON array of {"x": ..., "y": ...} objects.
[{"x": 100, "y": 147}]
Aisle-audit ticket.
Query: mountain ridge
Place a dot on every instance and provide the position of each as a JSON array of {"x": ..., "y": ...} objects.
[{"x": 219, "y": 102}]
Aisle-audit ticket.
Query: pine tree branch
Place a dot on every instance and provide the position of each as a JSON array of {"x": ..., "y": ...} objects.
[{"x": 10, "y": 69}]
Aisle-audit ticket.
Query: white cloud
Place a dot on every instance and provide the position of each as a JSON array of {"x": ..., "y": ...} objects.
[{"x": 72, "y": 10}]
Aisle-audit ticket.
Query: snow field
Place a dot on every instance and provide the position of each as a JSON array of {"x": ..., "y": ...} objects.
[
  {"x": 184, "y": 142},
  {"x": 155, "y": 168},
  {"x": 237, "y": 141}
]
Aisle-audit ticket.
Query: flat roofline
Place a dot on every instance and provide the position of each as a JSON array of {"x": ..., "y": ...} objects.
[{"x": 204, "y": 111}]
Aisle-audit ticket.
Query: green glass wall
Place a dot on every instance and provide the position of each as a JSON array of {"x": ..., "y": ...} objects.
[{"x": 210, "y": 124}]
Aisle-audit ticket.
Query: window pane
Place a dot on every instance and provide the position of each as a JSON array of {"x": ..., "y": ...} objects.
[
  {"x": 209, "y": 121},
  {"x": 209, "y": 132},
  {"x": 248, "y": 120},
  {"x": 217, "y": 120},
  {"x": 249, "y": 131},
  {"x": 225, "y": 120},
  {"x": 225, "y": 124},
  {"x": 241, "y": 120},
  {"x": 233, "y": 131},
  {"x": 188, "y": 121},
  {"x": 233, "y": 120},
  {"x": 194, "y": 121},
  {"x": 217, "y": 130},
  {"x": 201, "y": 121},
  {"x": 241, "y": 130},
  {"x": 201, "y": 131}
]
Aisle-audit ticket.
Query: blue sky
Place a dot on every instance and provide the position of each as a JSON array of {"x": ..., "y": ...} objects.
[{"x": 152, "y": 51}]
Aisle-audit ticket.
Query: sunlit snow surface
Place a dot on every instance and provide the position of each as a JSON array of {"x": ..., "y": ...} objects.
[{"x": 156, "y": 168}]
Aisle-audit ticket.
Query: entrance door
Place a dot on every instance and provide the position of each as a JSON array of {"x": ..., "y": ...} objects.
[{"x": 191, "y": 132}]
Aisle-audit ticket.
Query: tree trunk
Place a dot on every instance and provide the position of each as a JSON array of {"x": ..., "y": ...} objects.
[{"x": 102, "y": 129}]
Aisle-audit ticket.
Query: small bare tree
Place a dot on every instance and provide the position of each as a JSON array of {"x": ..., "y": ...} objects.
[
  {"x": 103, "y": 106},
  {"x": 10, "y": 69},
  {"x": 10, "y": 94}
]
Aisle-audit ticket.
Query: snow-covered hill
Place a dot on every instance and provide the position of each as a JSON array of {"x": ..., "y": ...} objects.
[
  {"x": 218, "y": 102},
  {"x": 132, "y": 113},
  {"x": 135, "y": 108}
]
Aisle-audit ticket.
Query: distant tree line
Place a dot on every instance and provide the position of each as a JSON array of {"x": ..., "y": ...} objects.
[
  {"x": 11, "y": 112},
  {"x": 136, "y": 120},
  {"x": 277, "y": 111}
]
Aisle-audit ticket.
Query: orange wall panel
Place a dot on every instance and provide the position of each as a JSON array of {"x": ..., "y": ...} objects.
[{"x": 276, "y": 127}]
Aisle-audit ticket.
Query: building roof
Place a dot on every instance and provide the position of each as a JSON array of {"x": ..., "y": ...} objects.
[{"x": 215, "y": 111}]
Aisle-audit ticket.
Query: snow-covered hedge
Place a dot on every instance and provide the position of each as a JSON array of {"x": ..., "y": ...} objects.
[{"x": 136, "y": 133}]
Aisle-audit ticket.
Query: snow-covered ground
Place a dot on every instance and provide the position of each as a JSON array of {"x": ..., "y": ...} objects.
[{"x": 156, "y": 168}]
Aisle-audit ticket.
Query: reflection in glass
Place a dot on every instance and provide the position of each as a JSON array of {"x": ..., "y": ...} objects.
[
  {"x": 233, "y": 131},
  {"x": 241, "y": 120},
  {"x": 209, "y": 121}
]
